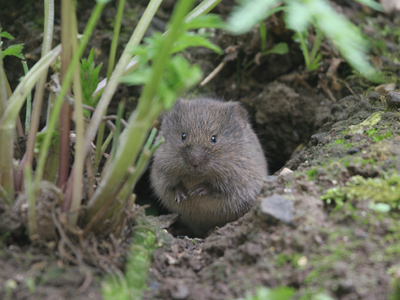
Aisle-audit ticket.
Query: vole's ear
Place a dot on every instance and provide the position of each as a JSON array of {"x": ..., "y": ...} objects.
[
  {"x": 177, "y": 104},
  {"x": 174, "y": 115},
  {"x": 239, "y": 113}
]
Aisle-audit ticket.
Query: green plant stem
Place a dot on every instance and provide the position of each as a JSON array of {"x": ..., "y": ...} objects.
[
  {"x": 28, "y": 101},
  {"x": 140, "y": 121},
  {"x": 118, "y": 72},
  {"x": 121, "y": 107},
  {"x": 99, "y": 142},
  {"x": 149, "y": 90},
  {"x": 3, "y": 88},
  {"x": 39, "y": 91},
  {"x": 130, "y": 145},
  {"x": 3, "y": 195},
  {"x": 304, "y": 49},
  {"x": 4, "y": 95},
  {"x": 111, "y": 87},
  {"x": 6, "y": 166},
  {"x": 6, "y": 183},
  {"x": 9, "y": 118},
  {"x": 114, "y": 42},
  {"x": 141, "y": 165},
  {"x": 68, "y": 37},
  {"x": 17, "y": 99},
  {"x": 203, "y": 8},
  {"x": 111, "y": 62},
  {"x": 79, "y": 155},
  {"x": 107, "y": 142},
  {"x": 51, "y": 166},
  {"x": 317, "y": 44},
  {"x": 263, "y": 36},
  {"x": 30, "y": 196},
  {"x": 64, "y": 87}
]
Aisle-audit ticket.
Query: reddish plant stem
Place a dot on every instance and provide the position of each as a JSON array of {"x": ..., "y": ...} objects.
[
  {"x": 65, "y": 127},
  {"x": 20, "y": 128},
  {"x": 38, "y": 99},
  {"x": 67, "y": 8}
]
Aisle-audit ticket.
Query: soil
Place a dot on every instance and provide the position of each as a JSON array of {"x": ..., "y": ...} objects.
[{"x": 327, "y": 220}]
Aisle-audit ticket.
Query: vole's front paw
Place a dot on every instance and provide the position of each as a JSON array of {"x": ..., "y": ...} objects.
[
  {"x": 199, "y": 190},
  {"x": 180, "y": 196}
]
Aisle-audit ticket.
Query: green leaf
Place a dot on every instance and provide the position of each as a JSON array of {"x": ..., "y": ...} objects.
[
  {"x": 40, "y": 137},
  {"x": 13, "y": 50},
  {"x": 380, "y": 207},
  {"x": 5, "y": 34},
  {"x": 372, "y": 4},
  {"x": 346, "y": 37},
  {"x": 205, "y": 21},
  {"x": 146, "y": 52},
  {"x": 297, "y": 37},
  {"x": 248, "y": 14},
  {"x": 322, "y": 296},
  {"x": 281, "y": 48},
  {"x": 178, "y": 76},
  {"x": 140, "y": 76},
  {"x": 89, "y": 79},
  {"x": 315, "y": 63},
  {"x": 189, "y": 39},
  {"x": 281, "y": 293},
  {"x": 297, "y": 16},
  {"x": 342, "y": 33}
]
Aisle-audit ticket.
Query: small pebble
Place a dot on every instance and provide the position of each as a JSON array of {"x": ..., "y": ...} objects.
[
  {"x": 278, "y": 207},
  {"x": 316, "y": 138},
  {"x": 285, "y": 171},
  {"x": 353, "y": 151},
  {"x": 393, "y": 99}
]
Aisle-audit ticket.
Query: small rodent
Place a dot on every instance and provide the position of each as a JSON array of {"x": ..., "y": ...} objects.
[{"x": 211, "y": 166}]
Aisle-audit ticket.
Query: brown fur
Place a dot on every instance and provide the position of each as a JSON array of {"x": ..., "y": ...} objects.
[{"x": 209, "y": 184}]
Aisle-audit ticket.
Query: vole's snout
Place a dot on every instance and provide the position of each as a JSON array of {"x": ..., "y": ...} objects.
[
  {"x": 196, "y": 159},
  {"x": 194, "y": 163}
]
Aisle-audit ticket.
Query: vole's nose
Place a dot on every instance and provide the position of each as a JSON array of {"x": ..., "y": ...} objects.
[
  {"x": 195, "y": 162},
  {"x": 196, "y": 159}
]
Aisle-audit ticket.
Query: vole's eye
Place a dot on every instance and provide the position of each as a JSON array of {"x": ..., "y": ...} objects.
[
  {"x": 214, "y": 139},
  {"x": 184, "y": 136}
]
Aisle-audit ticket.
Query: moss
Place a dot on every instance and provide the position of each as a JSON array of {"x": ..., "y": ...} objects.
[
  {"x": 372, "y": 131},
  {"x": 264, "y": 293},
  {"x": 339, "y": 141},
  {"x": 343, "y": 142},
  {"x": 369, "y": 122},
  {"x": 322, "y": 265},
  {"x": 387, "y": 135},
  {"x": 314, "y": 294},
  {"x": 292, "y": 259},
  {"x": 384, "y": 189},
  {"x": 368, "y": 161},
  {"x": 342, "y": 245},
  {"x": 312, "y": 174},
  {"x": 392, "y": 250}
]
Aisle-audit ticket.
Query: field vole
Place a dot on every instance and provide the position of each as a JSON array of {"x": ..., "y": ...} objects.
[{"x": 211, "y": 166}]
